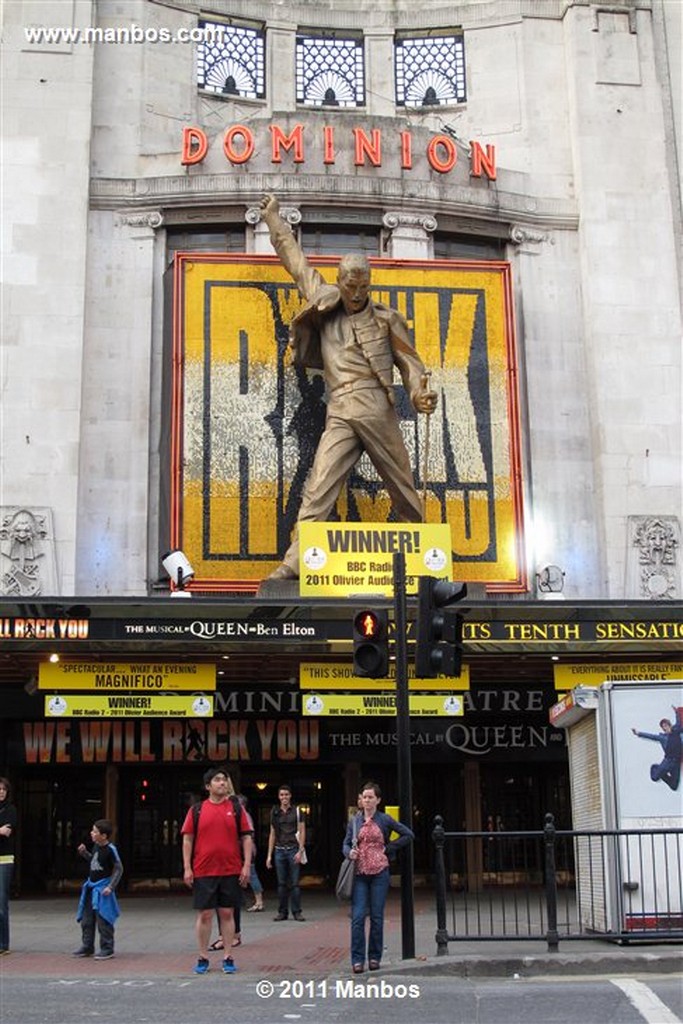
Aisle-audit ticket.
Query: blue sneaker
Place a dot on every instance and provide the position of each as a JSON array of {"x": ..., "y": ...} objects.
[
  {"x": 202, "y": 965},
  {"x": 229, "y": 965}
]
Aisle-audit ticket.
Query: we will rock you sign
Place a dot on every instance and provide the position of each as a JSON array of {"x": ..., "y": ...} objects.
[{"x": 246, "y": 423}]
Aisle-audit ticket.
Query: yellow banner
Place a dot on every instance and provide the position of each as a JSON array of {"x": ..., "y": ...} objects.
[
  {"x": 433, "y": 705},
  {"x": 596, "y": 673},
  {"x": 356, "y": 559},
  {"x": 325, "y": 676},
  {"x": 393, "y": 811},
  {"x": 147, "y": 676},
  {"x": 186, "y": 705}
]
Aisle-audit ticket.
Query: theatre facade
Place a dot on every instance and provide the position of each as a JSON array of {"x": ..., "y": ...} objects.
[
  {"x": 145, "y": 694},
  {"x": 509, "y": 169}
]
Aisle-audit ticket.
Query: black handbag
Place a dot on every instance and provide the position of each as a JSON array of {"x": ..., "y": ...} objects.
[{"x": 347, "y": 873}]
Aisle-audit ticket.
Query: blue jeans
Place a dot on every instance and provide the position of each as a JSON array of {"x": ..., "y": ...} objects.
[
  {"x": 287, "y": 880},
  {"x": 6, "y": 872},
  {"x": 369, "y": 897},
  {"x": 254, "y": 880},
  {"x": 668, "y": 771}
]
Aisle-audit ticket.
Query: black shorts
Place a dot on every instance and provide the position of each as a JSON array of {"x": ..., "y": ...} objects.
[{"x": 213, "y": 891}]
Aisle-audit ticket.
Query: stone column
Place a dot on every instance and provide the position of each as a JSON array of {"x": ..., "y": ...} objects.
[
  {"x": 409, "y": 237},
  {"x": 379, "y": 55},
  {"x": 258, "y": 238},
  {"x": 114, "y": 470}
]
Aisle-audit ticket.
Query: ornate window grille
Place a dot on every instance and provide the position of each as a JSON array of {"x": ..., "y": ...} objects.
[
  {"x": 430, "y": 70},
  {"x": 341, "y": 241},
  {"x": 231, "y": 60},
  {"x": 330, "y": 72}
]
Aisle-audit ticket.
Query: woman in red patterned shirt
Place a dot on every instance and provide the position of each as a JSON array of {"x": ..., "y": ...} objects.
[{"x": 371, "y": 850}]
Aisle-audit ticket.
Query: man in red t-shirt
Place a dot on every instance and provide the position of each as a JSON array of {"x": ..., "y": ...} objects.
[{"x": 217, "y": 855}]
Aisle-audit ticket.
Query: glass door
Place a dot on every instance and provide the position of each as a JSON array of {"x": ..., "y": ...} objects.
[
  {"x": 55, "y": 815},
  {"x": 154, "y": 803}
]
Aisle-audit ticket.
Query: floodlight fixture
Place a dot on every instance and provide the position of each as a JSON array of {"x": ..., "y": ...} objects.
[
  {"x": 550, "y": 581},
  {"x": 178, "y": 567}
]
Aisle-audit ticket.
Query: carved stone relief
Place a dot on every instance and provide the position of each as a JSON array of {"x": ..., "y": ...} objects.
[
  {"x": 529, "y": 240},
  {"x": 290, "y": 214},
  {"x": 148, "y": 219},
  {"x": 408, "y": 234},
  {"x": 27, "y": 552},
  {"x": 653, "y": 565}
]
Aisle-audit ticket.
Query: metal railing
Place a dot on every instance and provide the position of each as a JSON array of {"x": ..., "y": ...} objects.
[{"x": 616, "y": 884}]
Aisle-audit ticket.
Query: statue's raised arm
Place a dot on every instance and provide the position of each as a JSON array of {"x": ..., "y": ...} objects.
[{"x": 288, "y": 249}]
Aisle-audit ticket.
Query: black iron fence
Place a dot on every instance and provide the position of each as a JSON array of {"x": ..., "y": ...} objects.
[{"x": 555, "y": 884}]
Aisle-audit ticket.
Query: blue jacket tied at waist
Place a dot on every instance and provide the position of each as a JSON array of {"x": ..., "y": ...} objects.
[{"x": 106, "y": 905}]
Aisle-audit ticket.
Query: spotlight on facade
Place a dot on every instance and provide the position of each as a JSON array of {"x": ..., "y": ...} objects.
[
  {"x": 179, "y": 569},
  {"x": 550, "y": 582}
]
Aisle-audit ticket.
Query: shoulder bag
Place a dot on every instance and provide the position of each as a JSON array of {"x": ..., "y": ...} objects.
[{"x": 347, "y": 872}]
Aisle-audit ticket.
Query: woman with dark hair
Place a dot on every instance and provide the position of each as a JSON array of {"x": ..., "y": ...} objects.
[
  {"x": 8, "y": 824},
  {"x": 367, "y": 842}
]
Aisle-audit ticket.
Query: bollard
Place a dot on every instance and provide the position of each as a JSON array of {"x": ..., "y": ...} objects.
[
  {"x": 438, "y": 835},
  {"x": 552, "y": 936}
]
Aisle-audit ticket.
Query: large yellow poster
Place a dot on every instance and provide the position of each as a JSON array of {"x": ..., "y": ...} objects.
[{"x": 246, "y": 423}]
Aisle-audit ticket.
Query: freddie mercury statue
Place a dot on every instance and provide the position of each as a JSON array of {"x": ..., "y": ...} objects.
[{"x": 356, "y": 342}]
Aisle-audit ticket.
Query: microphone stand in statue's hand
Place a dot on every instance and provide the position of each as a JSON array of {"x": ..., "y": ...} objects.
[{"x": 425, "y": 463}]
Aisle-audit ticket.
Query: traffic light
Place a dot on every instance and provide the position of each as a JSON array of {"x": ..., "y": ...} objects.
[
  {"x": 438, "y": 648},
  {"x": 371, "y": 643}
]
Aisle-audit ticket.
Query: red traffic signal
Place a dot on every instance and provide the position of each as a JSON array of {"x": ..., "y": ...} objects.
[
  {"x": 371, "y": 643},
  {"x": 367, "y": 624}
]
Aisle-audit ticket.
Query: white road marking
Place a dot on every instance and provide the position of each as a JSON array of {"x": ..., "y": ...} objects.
[{"x": 653, "y": 1010}]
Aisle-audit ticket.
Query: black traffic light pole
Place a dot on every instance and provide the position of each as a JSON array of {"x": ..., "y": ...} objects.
[{"x": 405, "y": 781}]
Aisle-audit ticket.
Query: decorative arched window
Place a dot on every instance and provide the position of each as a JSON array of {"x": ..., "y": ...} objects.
[
  {"x": 430, "y": 69},
  {"x": 329, "y": 70},
  {"x": 231, "y": 60}
]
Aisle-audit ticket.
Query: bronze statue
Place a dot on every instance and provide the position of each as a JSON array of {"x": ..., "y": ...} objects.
[{"x": 356, "y": 343}]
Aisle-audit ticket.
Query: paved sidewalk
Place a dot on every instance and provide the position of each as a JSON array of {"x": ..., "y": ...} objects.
[{"x": 155, "y": 936}]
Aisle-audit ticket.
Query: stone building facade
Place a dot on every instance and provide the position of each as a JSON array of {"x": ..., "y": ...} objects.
[
  {"x": 580, "y": 102},
  {"x": 539, "y": 138}
]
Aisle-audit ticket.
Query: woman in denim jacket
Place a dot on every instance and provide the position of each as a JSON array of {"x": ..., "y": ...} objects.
[{"x": 371, "y": 850}]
